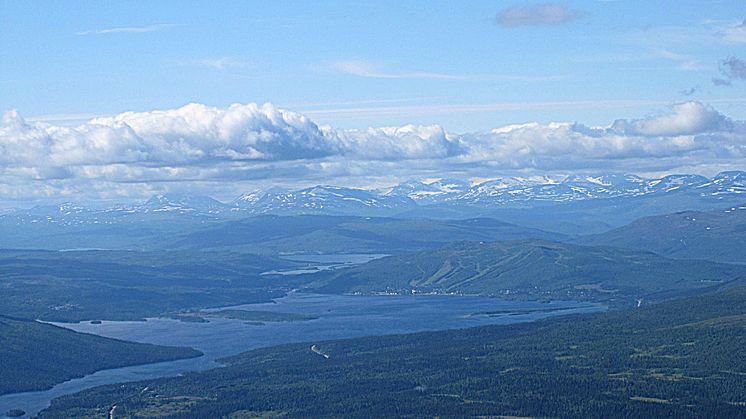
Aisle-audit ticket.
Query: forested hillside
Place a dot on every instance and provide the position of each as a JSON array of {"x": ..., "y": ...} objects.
[
  {"x": 535, "y": 268},
  {"x": 34, "y": 355}
]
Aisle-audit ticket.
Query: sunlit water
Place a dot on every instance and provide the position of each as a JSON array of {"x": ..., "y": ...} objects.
[{"x": 339, "y": 317}]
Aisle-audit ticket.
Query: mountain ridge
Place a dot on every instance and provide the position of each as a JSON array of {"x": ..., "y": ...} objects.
[{"x": 497, "y": 192}]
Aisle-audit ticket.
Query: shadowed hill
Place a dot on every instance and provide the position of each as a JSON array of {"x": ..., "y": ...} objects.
[
  {"x": 326, "y": 234},
  {"x": 716, "y": 235}
]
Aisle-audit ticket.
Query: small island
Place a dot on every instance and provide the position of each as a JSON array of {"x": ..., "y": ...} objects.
[
  {"x": 261, "y": 316},
  {"x": 15, "y": 413}
]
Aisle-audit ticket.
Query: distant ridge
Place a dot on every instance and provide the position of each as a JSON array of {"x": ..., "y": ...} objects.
[
  {"x": 567, "y": 205},
  {"x": 714, "y": 235}
]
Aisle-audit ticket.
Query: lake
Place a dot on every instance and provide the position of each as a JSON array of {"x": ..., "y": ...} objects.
[
  {"x": 338, "y": 317},
  {"x": 324, "y": 262}
]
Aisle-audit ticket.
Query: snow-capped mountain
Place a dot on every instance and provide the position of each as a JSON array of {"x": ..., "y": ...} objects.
[
  {"x": 440, "y": 198},
  {"x": 182, "y": 203},
  {"x": 429, "y": 191},
  {"x": 726, "y": 183},
  {"x": 674, "y": 182},
  {"x": 510, "y": 191},
  {"x": 323, "y": 199}
]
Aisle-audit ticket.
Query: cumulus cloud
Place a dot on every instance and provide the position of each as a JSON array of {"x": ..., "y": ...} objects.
[
  {"x": 537, "y": 15},
  {"x": 218, "y": 148},
  {"x": 196, "y": 133},
  {"x": 686, "y": 118},
  {"x": 395, "y": 143}
]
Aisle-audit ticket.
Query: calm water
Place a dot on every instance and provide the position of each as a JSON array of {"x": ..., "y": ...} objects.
[
  {"x": 316, "y": 263},
  {"x": 339, "y": 317}
]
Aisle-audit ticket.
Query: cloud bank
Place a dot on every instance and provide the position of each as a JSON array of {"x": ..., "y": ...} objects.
[{"x": 196, "y": 146}]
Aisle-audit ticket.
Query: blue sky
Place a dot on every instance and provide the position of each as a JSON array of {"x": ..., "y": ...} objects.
[
  {"x": 94, "y": 94},
  {"x": 359, "y": 64}
]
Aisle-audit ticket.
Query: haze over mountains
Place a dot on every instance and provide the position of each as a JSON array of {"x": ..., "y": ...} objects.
[{"x": 441, "y": 197}]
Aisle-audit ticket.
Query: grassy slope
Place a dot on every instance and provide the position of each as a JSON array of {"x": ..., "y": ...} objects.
[
  {"x": 34, "y": 356},
  {"x": 682, "y": 358}
]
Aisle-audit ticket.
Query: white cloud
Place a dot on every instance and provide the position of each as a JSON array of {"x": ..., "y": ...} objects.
[
  {"x": 686, "y": 118},
  {"x": 218, "y": 148},
  {"x": 197, "y": 133},
  {"x": 397, "y": 143}
]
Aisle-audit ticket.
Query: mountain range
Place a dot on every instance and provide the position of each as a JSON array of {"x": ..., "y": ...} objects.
[
  {"x": 567, "y": 205},
  {"x": 499, "y": 192}
]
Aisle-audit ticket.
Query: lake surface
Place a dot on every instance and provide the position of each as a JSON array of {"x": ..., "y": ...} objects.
[
  {"x": 325, "y": 262},
  {"x": 338, "y": 317}
]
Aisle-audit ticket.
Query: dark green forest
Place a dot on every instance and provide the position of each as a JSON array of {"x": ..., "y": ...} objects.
[
  {"x": 34, "y": 355},
  {"x": 120, "y": 285}
]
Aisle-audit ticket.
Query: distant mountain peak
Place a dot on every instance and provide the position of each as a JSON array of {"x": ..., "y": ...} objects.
[{"x": 181, "y": 202}]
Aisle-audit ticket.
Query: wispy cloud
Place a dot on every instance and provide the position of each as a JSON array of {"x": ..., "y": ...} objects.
[
  {"x": 367, "y": 69},
  {"x": 696, "y": 34},
  {"x": 685, "y": 62},
  {"x": 468, "y": 108},
  {"x": 221, "y": 63},
  {"x": 537, "y": 15},
  {"x": 691, "y": 66},
  {"x": 362, "y": 68},
  {"x": 734, "y": 34},
  {"x": 130, "y": 29}
]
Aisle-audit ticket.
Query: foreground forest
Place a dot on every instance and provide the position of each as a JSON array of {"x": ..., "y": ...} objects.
[
  {"x": 681, "y": 358},
  {"x": 34, "y": 355}
]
